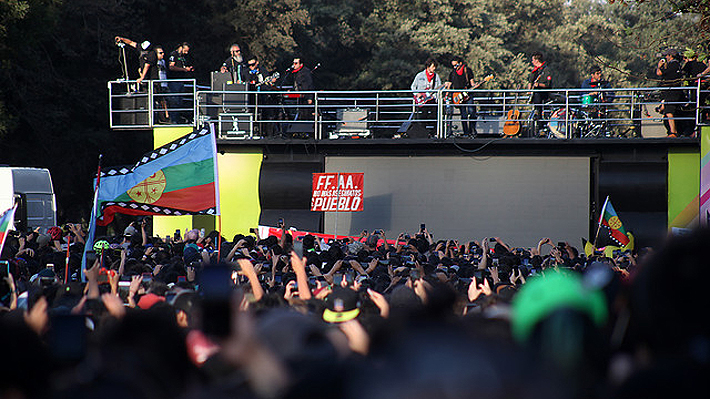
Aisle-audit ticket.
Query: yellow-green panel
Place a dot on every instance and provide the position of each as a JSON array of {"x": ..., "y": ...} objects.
[
  {"x": 239, "y": 191},
  {"x": 164, "y": 134},
  {"x": 683, "y": 187},
  {"x": 166, "y": 225}
]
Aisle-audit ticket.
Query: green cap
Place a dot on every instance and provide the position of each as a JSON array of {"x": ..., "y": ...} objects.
[
  {"x": 542, "y": 295},
  {"x": 100, "y": 245}
]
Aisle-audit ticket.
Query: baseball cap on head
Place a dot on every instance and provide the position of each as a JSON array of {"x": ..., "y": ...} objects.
[
  {"x": 670, "y": 51},
  {"x": 341, "y": 305},
  {"x": 541, "y": 296}
]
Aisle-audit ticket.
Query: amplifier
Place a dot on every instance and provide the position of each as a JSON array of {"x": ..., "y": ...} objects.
[
  {"x": 352, "y": 119},
  {"x": 236, "y": 99},
  {"x": 131, "y": 110},
  {"x": 489, "y": 124}
]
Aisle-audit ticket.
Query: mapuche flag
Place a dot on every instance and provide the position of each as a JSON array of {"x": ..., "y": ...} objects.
[
  {"x": 5, "y": 221},
  {"x": 179, "y": 178},
  {"x": 611, "y": 221}
]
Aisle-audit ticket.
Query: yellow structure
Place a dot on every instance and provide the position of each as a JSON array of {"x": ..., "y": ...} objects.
[{"x": 238, "y": 192}]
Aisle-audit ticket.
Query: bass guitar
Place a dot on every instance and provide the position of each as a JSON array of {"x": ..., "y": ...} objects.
[{"x": 462, "y": 96}]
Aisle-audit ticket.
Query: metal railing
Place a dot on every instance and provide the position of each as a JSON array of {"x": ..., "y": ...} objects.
[
  {"x": 150, "y": 103},
  {"x": 319, "y": 115}
]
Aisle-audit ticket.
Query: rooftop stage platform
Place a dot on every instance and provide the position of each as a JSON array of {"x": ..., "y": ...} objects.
[{"x": 519, "y": 188}]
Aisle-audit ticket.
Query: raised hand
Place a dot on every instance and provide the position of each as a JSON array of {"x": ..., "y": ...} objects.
[
  {"x": 37, "y": 318},
  {"x": 474, "y": 290},
  {"x": 485, "y": 287},
  {"x": 113, "y": 305},
  {"x": 380, "y": 301}
]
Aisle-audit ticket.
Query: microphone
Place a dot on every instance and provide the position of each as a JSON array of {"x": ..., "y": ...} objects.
[
  {"x": 289, "y": 69},
  {"x": 316, "y": 67}
]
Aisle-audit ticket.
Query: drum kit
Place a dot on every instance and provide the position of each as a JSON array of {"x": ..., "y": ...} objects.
[{"x": 586, "y": 120}]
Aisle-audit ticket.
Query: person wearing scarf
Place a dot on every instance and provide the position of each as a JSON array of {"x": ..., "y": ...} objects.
[
  {"x": 461, "y": 78},
  {"x": 427, "y": 79}
]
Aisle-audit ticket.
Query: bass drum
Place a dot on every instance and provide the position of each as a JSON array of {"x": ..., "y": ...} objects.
[
  {"x": 589, "y": 99},
  {"x": 560, "y": 123}
]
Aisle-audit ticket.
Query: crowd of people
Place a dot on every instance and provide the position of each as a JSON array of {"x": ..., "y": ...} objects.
[{"x": 416, "y": 316}]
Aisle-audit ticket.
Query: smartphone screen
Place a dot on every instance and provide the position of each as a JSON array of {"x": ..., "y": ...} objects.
[
  {"x": 90, "y": 258},
  {"x": 216, "y": 289},
  {"x": 4, "y": 268},
  {"x": 67, "y": 337},
  {"x": 147, "y": 278},
  {"x": 298, "y": 248}
]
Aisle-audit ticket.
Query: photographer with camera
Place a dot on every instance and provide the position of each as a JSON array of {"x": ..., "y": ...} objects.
[{"x": 670, "y": 73}]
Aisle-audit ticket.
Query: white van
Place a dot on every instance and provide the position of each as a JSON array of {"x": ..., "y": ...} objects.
[{"x": 32, "y": 190}]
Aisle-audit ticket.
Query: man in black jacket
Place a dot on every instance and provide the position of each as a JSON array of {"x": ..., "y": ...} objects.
[{"x": 670, "y": 73}]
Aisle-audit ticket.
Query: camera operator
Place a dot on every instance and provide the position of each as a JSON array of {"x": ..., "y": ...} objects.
[{"x": 669, "y": 71}]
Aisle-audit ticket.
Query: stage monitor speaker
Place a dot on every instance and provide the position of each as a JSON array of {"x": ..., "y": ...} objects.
[
  {"x": 413, "y": 130},
  {"x": 303, "y": 129}
]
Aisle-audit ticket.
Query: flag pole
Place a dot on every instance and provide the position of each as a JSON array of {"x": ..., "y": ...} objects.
[
  {"x": 219, "y": 240},
  {"x": 66, "y": 262},
  {"x": 599, "y": 224},
  {"x": 337, "y": 203},
  {"x": 92, "y": 222},
  {"x": 218, "y": 207}
]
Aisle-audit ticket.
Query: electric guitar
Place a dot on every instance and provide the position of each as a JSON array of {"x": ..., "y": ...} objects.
[
  {"x": 269, "y": 80},
  {"x": 462, "y": 96},
  {"x": 532, "y": 87},
  {"x": 423, "y": 98}
]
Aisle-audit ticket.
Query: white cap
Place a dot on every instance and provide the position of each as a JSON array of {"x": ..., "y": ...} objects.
[{"x": 145, "y": 45}]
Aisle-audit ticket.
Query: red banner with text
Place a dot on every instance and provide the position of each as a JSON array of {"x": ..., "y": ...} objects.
[{"x": 337, "y": 192}]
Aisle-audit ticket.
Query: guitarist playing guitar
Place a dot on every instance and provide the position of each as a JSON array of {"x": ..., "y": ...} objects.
[
  {"x": 461, "y": 78},
  {"x": 427, "y": 79},
  {"x": 540, "y": 78}
]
